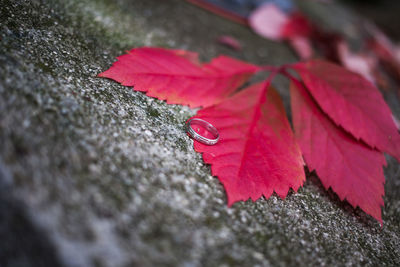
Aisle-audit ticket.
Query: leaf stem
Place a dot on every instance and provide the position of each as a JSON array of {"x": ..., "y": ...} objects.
[
  {"x": 270, "y": 78},
  {"x": 290, "y": 76},
  {"x": 274, "y": 68},
  {"x": 269, "y": 68},
  {"x": 278, "y": 70}
]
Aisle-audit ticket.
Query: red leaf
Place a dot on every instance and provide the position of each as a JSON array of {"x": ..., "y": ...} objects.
[
  {"x": 257, "y": 153},
  {"x": 350, "y": 168},
  {"x": 178, "y": 77},
  {"x": 351, "y": 102},
  {"x": 297, "y": 26}
]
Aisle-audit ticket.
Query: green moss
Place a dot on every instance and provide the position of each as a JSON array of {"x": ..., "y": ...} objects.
[
  {"x": 181, "y": 144},
  {"x": 46, "y": 68},
  {"x": 153, "y": 112}
]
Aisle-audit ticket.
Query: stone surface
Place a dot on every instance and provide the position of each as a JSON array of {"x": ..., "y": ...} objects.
[{"x": 94, "y": 174}]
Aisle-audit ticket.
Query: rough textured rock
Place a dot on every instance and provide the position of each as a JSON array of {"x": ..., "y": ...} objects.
[{"x": 94, "y": 174}]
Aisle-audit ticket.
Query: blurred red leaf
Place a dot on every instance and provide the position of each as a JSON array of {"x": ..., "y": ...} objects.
[
  {"x": 229, "y": 41},
  {"x": 384, "y": 49},
  {"x": 177, "y": 77},
  {"x": 362, "y": 64},
  {"x": 396, "y": 52},
  {"x": 352, "y": 169},
  {"x": 302, "y": 46},
  {"x": 297, "y": 25},
  {"x": 387, "y": 55},
  {"x": 257, "y": 153},
  {"x": 271, "y": 22},
  {"x": 351, "y": 102}
]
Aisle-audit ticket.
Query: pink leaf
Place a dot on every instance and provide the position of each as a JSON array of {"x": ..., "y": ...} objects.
[
  {"x": 229, "y": 41},
  {"x": 268, "y": 21},
  {"x": 302, "y": 46},
  {"x": 359, "y": 63}
]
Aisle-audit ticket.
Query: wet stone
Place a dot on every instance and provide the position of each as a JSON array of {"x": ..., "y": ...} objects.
[{"x": 95, "y": 174}]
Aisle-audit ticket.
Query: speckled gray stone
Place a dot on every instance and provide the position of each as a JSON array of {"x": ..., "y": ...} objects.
[{"x": 94, "y": 174}]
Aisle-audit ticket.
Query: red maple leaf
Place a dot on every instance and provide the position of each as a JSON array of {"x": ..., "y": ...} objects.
[
  {"x": 257, "y": 153},
  {"x": 178, "y": 77},
  {"x": 352, "y": 169},
  {"x": 339, "y": 118},
  {"x": 351, "y": 102}
]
